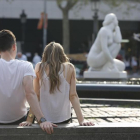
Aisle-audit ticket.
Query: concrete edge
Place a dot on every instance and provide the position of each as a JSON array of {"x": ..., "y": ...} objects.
[{"x": 73, "y": 128}]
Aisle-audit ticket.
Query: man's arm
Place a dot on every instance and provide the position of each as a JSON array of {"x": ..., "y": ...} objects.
[
  {"x": 36, "y": 87},
  {"x": 31, "y": 97},
  {"x": 34, "y": 104}
]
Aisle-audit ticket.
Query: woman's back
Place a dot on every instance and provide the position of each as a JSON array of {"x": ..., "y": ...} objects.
[
  {"x": 55, "y": 86},
  {"x": 56, "y": 106}
]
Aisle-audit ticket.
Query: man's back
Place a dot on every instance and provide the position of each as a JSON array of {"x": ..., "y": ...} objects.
[{"x": 12, "y": 96}]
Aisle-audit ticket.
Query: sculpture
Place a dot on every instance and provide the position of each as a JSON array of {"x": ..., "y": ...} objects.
[{"x": 106, "y": 47}]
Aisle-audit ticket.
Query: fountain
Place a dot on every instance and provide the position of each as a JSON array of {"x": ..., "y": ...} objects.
[
  {"x": 106, "y": 77},
  {"x": 103, "y": 52}
]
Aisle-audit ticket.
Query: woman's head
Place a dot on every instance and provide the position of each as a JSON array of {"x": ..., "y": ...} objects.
[
  {"x": 53, "y": 56},
  {"x": 110, "y": 19}
]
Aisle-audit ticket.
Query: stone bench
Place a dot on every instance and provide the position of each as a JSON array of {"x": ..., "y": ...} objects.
[{"x": 109, "y": 131}]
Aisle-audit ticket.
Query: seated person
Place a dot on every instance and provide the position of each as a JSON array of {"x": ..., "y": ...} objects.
[
  {"x": 55, "y": 86},
  {"x": 16, "y": 85}
]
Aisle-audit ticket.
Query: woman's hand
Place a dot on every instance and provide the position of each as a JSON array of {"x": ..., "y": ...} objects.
[
  {"x": 48, "y": 127},
  {"x": 86, "y": 123},
  {"x": 26, "y": 123}
]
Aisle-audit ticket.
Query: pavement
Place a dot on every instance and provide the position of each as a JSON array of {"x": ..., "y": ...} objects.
[
  {"x": 125, "y": 112},
  {"x": 112, "y": 122},
  {"x": 107, "y": 113}
]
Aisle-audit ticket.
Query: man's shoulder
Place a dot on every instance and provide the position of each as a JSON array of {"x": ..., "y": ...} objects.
[{"x": 23, "y": 63}]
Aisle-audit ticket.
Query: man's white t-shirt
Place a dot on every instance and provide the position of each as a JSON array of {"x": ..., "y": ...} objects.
[{"x": 12, "y": 93}]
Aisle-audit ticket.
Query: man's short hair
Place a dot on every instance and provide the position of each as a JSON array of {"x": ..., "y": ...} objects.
[{"x": 7, "y": 39}]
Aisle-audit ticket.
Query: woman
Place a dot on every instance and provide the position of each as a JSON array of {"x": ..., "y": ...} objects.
[
  {"x": 106, "y": 47},
  {"x": 55, "y": 87}
]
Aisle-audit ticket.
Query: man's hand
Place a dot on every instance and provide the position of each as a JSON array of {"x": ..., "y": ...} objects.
[
  {"x": 86, "y": 123},
  {"x": 26, "y": 123},
  {"x": 48, "y": 127}
]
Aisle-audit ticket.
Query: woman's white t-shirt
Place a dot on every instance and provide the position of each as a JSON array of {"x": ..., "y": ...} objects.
[{"x": 12, "y": 94}]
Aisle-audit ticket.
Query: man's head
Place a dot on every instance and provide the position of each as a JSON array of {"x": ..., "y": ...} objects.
[{"x": 7, "y": 42}]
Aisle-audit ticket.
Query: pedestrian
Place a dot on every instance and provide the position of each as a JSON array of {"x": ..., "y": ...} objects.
[
  {"x": 21, "y": 56},
  {"x": 16, "y": 85},
  {"x": 127, "y": 64},
  {"x": 36, "y": 59},
  {"x": 134, "y": 64},
  {"x": 55, "y": 86}
]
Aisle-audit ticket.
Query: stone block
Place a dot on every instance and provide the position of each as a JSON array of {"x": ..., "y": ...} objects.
[
  {"x": 110, "y": 131},
  {"x": 105, "y": 75}
]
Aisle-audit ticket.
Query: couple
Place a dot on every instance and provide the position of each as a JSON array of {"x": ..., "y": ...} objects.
[{"x": 49, "y": 90}]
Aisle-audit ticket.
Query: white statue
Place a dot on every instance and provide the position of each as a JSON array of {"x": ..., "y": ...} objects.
[{"x": 106, "y": 47}]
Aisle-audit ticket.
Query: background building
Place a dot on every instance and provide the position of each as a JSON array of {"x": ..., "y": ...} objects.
[{"x": 81, "y": 23}]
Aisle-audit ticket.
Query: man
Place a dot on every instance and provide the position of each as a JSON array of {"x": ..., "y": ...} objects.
[
  {"x": 16, "y": 86},
  {"x": 21, "y": 56},
  {"x": 36, "y": 59}
]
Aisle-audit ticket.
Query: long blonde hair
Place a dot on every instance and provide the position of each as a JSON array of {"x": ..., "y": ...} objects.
[{"x": 53, "y": 56}]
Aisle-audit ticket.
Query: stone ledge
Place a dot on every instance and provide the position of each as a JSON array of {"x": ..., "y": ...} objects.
[
  {"x": 110, "y": 131},
  {"x": 105, "y": 75},
  {"x": 108, "y": 91},
  {"x": 110, "y": 101}
]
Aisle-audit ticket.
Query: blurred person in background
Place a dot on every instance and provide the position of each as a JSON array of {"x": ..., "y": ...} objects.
[
  {"x": 119, "y": 57},
  {"x": 127, "y": 64},
  {"x": 134, "y": 64},
  {"x": 21, "y": 56},
  {"x": 36, "y": 59}
]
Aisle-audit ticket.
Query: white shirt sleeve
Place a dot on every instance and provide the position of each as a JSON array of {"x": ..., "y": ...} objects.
[{"x": 29, "y": 70}]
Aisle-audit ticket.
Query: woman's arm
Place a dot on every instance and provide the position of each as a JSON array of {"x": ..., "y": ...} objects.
[
  {"x": 30, "y": 117},
  {"x": 36, "y": 82},
  {"x": 75, "y": 100},
  {"x": 104, "y": 45}
]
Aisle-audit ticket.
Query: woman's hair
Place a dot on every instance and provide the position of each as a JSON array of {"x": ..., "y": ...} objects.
[
  {"x": 109, "y": 18},
  {"x": 53, "y": 56}
]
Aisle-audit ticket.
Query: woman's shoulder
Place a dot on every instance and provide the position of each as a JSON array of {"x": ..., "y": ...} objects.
[
  {"x": 37, "y": 66},
  {"x": 68, "y": 64},
  {"x": 70, "y": 70}
]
